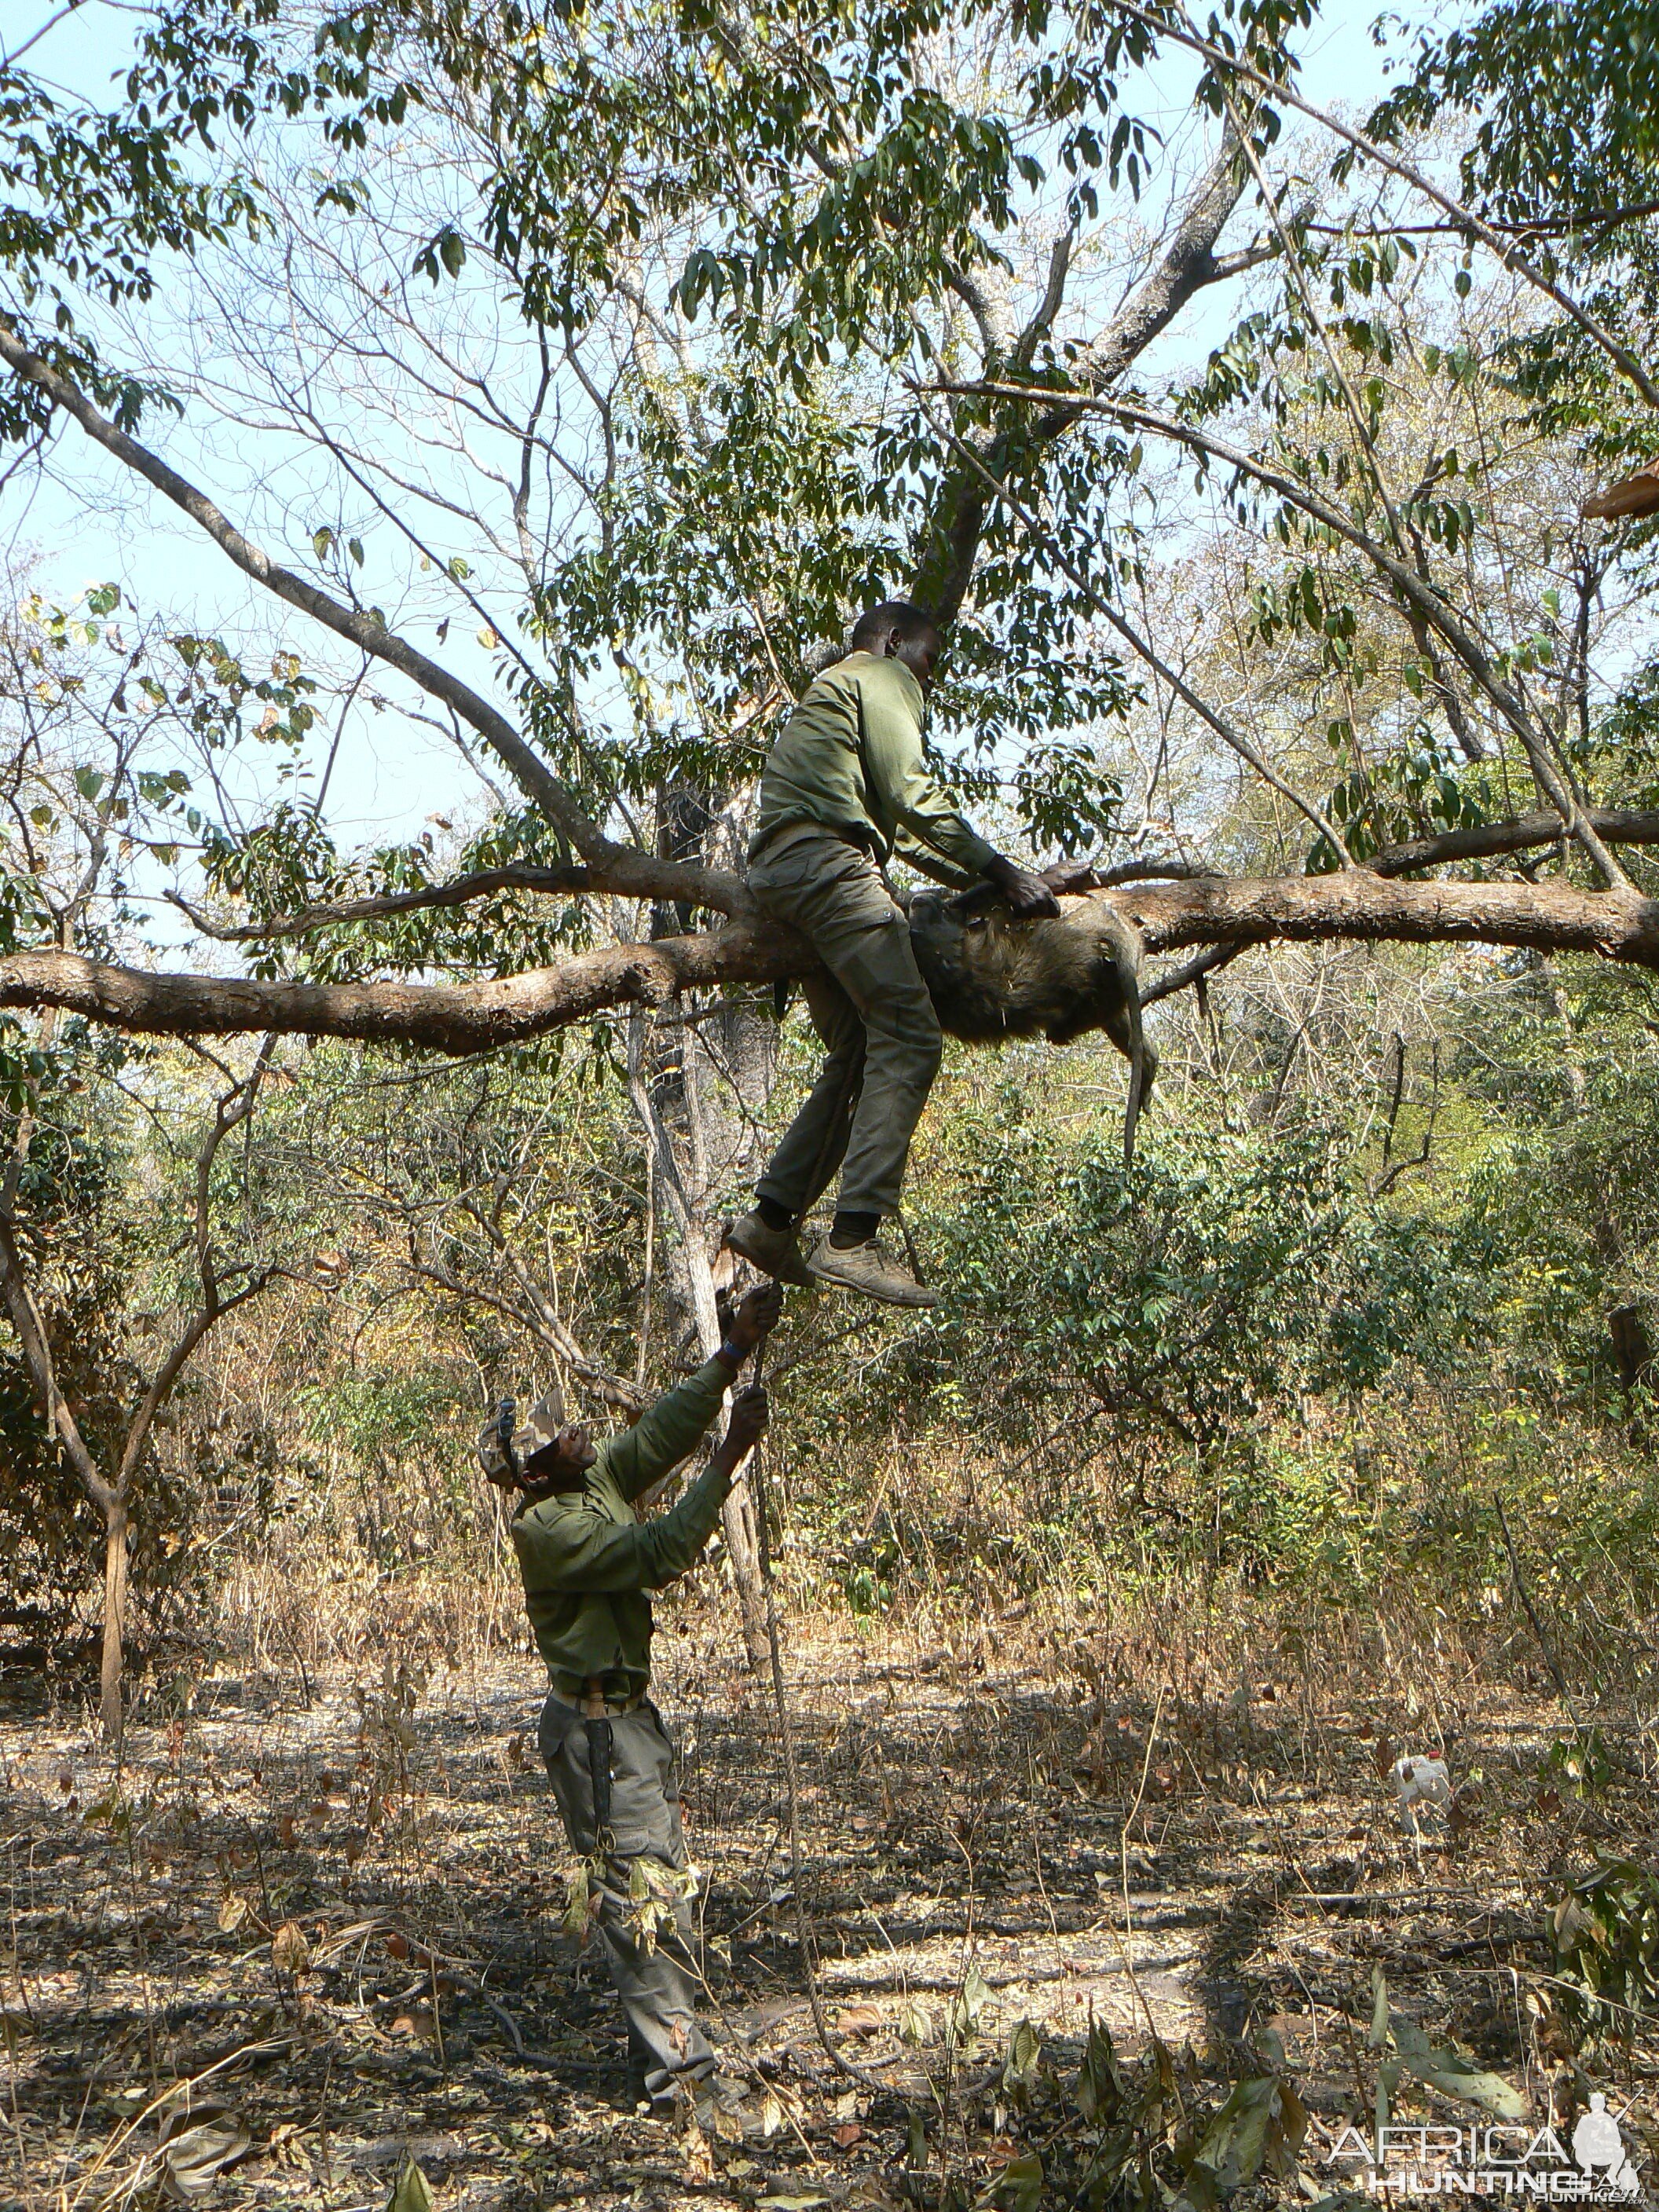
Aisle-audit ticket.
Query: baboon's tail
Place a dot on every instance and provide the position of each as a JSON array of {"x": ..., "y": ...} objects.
[{"x": 1127, "y": 949}]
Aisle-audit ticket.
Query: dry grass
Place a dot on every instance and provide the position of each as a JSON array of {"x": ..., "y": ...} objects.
[{"x": 1175, "y": 1823}]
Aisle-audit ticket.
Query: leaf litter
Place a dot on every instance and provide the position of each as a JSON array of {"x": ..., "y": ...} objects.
[{"x": 206, "y": 1922}]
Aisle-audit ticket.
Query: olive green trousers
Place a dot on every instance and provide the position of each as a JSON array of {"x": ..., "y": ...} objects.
[
  {"x": 870, "y": 1007},
  {"x": 658, "y": 1986}
]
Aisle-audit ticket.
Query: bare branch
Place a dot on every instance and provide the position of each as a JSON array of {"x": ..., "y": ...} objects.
[
  {"x": 480, "y": 883},
  {"x": 54, "y": 1407},
  {"x": 633, "y": 873},
  {"x": 1412, "y": 589},
  {"x": 1192, "y": 971},
  {"x": 1463, "y": 218},
  {"x": 611, "y": 1389},
  {"x": 1142, "y": 647}
]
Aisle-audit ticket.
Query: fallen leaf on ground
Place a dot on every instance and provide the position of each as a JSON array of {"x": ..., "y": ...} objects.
[
  {"x": 290, "y": 1952},
  {"x": 197, "y": 2142},
  {"x": 699, "y": 2158},
  {"x": 413, "y": 2192}
]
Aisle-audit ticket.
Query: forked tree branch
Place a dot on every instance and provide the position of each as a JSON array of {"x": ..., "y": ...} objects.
[{"x": 951, "y": 539}]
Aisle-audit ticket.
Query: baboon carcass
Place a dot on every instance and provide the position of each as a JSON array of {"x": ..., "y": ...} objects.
[{"x": 992, "y": 977}]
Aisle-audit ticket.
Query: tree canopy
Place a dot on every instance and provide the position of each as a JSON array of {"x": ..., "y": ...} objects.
[{"x": 645, "y": 349}]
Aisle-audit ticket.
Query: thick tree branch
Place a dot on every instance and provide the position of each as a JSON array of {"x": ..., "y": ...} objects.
[
  {"x": 950, "y": 541},
  {"x": 1188, "y": 264},
  {"x": 1490, "y": 840},
  {"x": 630, "y": 873},
  {"x": 450, "y": 1017},
  {"x": 1355, "y": 904}
]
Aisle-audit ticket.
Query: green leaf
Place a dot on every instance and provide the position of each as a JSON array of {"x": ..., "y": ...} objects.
[
  {"x": 1262, "y": 2123},
  {"x": 1024, "y": 2050},
  {"x": 577, "y": 1909},
  {"x": 968, "y": 2007},
  {"x": 1101, "y": 2088},
  {"x": 1018, "y": 2186},
  {"x": 1377, "y": 2034},
  {"x": 88, "y": 781}
]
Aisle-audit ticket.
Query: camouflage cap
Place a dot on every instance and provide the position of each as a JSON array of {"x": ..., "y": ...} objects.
[{"x": 546, "y": 1418}]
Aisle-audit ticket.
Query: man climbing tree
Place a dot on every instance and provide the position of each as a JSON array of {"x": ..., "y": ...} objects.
[
  {"x": 846, "y": 786},
  {"x": 588, "y": 1563}
]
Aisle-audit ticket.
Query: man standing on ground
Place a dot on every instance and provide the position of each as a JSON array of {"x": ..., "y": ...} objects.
[
  {"x": 588, "y": 1563},
  {"x": 844, "y": 788}
]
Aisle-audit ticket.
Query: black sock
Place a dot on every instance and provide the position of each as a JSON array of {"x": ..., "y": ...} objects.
[
  {"x": 849, "y": 1228},
  {"x": 774, "y": 1215}
]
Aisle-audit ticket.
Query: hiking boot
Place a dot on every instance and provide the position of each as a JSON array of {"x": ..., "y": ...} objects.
[
  {"x": 775, "y": 1252},
  {"x": 870, "y": 1268}
]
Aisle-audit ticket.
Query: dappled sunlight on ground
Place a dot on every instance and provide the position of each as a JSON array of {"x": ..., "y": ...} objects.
[{"x": 260, "y": 1900}]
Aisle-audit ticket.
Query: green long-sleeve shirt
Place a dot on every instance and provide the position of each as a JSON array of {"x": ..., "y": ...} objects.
[
  {"x": 849, "y": 759},
  {"x": 587, "y": 1558}
]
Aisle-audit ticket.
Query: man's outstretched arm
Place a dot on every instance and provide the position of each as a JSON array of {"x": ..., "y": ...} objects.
[
  {"x": 933, "y": 837},
  {"x": 662, "y": 1437},
  {"x": 561, "y": 1546}
]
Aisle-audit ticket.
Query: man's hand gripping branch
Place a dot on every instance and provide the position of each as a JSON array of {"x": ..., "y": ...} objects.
[{"x": 747, "y": 1327}]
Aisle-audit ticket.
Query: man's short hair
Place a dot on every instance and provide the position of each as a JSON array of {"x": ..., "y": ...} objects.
[{"x": 899, "y": 618}]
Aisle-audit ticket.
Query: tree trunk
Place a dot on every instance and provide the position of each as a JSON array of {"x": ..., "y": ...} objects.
[
  {"x": 111, "y": 1714},
  {"x": 1627, "y": 1337},
  {"x": 737, "y": 1515},
  {"x": 1632, "y": 1348},
  {"x": 691, "y": 1271}
]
